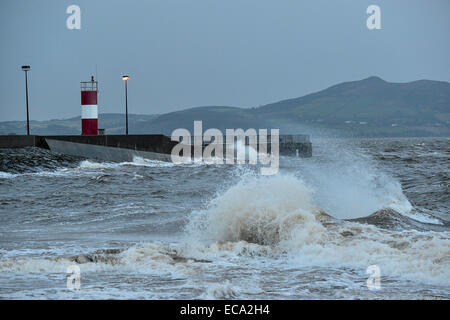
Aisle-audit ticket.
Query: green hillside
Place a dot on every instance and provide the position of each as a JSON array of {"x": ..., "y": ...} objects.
[{"x": 372, "y": 100}]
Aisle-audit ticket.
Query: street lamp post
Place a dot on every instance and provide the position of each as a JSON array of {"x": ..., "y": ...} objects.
[
  {"x": 126, "y": 78},
  {"x": 26, "y": 69}
]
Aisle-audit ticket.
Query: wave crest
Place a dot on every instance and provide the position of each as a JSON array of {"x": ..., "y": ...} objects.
[
  {"x": 277, "y": 213},
  {"x": 248, "y": 212}
]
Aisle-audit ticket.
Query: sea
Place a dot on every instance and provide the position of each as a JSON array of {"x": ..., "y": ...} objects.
[{"x": 360, "y": 219}]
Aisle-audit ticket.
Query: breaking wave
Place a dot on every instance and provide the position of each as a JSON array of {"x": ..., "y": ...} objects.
[
  {"x": 349, "y": 184},
  {"x": 276, "y": 214},
  {"x": 149, "y": 258}
]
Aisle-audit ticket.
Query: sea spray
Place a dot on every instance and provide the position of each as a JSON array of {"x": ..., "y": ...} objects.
[
  {"x": 275, "y": 215},
  {"x": 257, "y": 209},
  {"x": 261, "y": 210},
  {"x": 348, "y": 183}
]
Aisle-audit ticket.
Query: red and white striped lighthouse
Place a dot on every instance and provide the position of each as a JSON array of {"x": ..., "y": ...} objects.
[{"x": 89, "y": 107}]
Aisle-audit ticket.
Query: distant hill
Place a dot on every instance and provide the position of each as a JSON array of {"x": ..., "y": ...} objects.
[
  {"x": 372, "y": 105},
  {"x": 113, "y": 122},
  {"x": 369, "y": 107}
]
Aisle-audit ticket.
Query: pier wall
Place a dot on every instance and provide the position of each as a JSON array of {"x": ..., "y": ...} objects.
[
  {"x": 293, "y": 145},
  {"x": 21, "y": 141}
]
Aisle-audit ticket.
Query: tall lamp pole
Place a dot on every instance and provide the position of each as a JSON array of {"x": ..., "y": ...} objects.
[
  {"x": 26, "y": 69},
  {"x": 126, "y": 78}
]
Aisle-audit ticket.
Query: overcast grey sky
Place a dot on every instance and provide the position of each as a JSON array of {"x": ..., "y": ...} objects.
[{"x": 184, "y": 53}]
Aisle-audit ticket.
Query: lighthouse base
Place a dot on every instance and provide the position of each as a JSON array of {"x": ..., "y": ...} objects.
[{"x": 89, "y": 127}]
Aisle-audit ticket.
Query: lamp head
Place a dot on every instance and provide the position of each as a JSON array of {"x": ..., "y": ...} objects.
[
  {"x": 25, "y": 68},
  {"x": 125, "y": 78}
]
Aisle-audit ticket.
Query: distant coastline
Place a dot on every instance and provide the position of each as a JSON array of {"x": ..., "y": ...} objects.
[{"x": 370, "y": 107}]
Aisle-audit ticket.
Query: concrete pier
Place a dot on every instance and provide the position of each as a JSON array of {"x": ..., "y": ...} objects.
[
  {"x": 125, "y": 147},
  {"x": 151, "y": 142}
]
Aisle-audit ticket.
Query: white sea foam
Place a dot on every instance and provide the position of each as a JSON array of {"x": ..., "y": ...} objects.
[
  {"x": 423, "y": 218},
  {"x": 247, "y": 210},
  {"x": 277, "y": 213},
  {"x": 6, "y": 175},
  {"x": 225, "y": 290},
  {"x": 137, "y": 161},
  {"x": 88, "y": 164},
  {"x": 154, "y": 258},
  {"x": 62, "y": 172}
]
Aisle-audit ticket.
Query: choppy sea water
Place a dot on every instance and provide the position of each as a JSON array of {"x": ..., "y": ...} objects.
[{"x": 154, "y": 230}]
